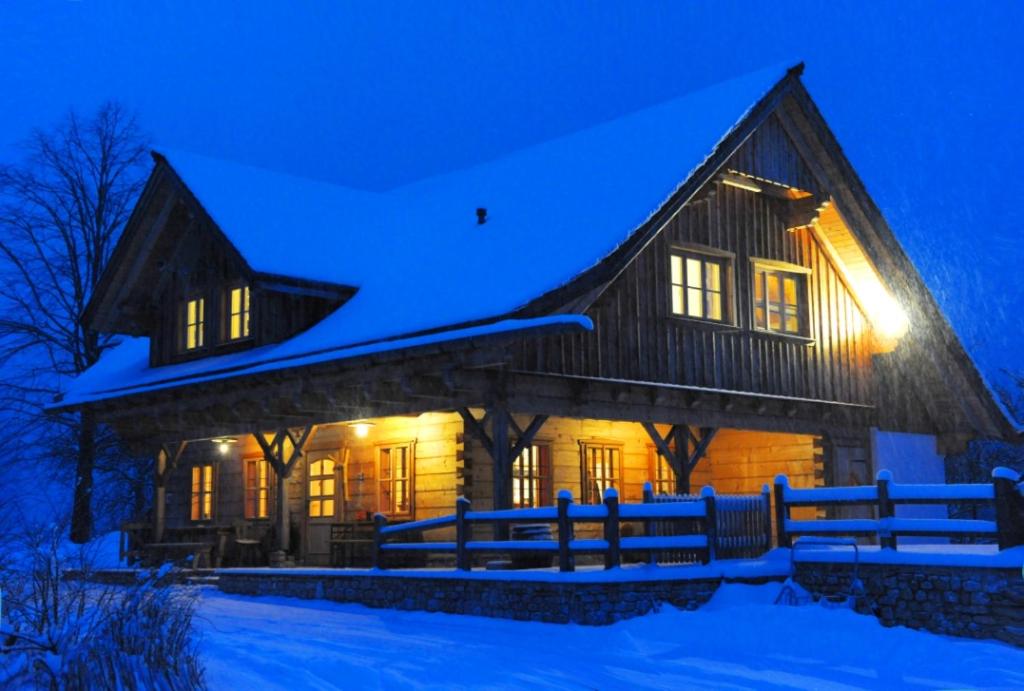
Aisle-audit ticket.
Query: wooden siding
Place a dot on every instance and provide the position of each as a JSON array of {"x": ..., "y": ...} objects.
[{"x": 637, "y": 338}]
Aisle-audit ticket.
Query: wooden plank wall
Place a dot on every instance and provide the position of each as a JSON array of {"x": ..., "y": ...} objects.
[{"x": 637, "y": 338}]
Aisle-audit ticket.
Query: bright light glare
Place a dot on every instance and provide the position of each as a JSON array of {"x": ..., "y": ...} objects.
[{"x": 362, "y": 429}]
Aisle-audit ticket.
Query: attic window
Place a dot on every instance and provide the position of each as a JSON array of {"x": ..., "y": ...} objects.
[
  {"x": 194, "y": 323},
  {"x": 700, "y": 285},
  {"x": 780, "y": 300},
  {"x": 238, "y": 313}
]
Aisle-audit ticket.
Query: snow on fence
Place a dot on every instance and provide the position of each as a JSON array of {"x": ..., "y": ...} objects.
[
  {"x": 1006, "y": 492},
  {"x": 566, "y": 515},
  {"x": 743, "y": 525}
]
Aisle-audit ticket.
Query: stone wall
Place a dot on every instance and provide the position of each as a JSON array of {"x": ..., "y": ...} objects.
[
  {"x": 526, "y": 600},
  {"x": 957, "y": 601}
]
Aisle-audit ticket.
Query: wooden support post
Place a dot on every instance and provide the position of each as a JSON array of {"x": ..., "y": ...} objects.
[
  {"x": 284, "y": 525},
  {"x": 1009, "y": 508},
  {"x": 680, "y": 435},
  {"x": 380, "y": 521},
  {"x": 612, "y": 557},
  {"x": 766, "y": 499},
  {"x": 782, "y": 538},
  {"x": 462, "y": 535},
  {"x": 502, "y": 467},
  {"x": 283, "y": 463},
  {"x": 565, "y": 532},
  {"x": 166, "y": 460},
  {"x": 886, "y": 509},
  {"x": 707, "y": 495},
  {"x": 649, "y": 529}
]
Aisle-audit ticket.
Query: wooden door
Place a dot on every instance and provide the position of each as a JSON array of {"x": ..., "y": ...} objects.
[{"x": 323, "y": 507}]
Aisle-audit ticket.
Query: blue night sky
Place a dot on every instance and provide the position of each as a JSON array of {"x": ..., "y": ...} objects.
[{"x": 924, "y": 98}]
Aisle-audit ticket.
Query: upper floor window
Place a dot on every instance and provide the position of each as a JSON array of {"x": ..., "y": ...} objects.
[
  {"x": 238, "y": 313},
  {"x": 780, "y": 300},
  {"x": 194, "y": 323},
  {"x": 700, "y": 285},
  {"x": 531, "y": 477}
]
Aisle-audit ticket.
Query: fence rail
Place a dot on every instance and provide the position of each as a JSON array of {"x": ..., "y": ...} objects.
[
  {"x": 610, "y": 515},
  {"x": 1004, "y": 492}
]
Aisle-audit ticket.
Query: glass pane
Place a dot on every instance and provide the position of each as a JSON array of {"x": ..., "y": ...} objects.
[
  {"x": 236, "y": 300},
  {"x": 263, "y": 505},
  {"x": 774, "y": 320},
  {"x": 207, "y": 505},
  {"x": 315, "y": 488},
  {"x": 792, "y": 324},
  {"x": 328, "y": 488},
  {"x": 790, "y": 290},
  {"x": 694, "y": 308},
  {"x": 195, "y": 478},
  {"x": 759, "y": 286},
  {"x": 759, "y": 317},
  {"x": 714, "y": 275},
  {"x": 715, "y": 306},
  {"x": 677, "y": 270},
  {"x": 385, "y": 464},
  {"x": 328, "y": 466},
  {"x": 314, "y": 508},
  {"x": 773, "y": 288},
  {"x": 208, "y": 477},
  {"x": 328, "y": 508},
  {"x": 677, "y": 299},
  {"x": 191, "y": 312},
  {"x": 236, "y": 326},
  {"x": 314, "y": 468},
  {"x": 693, "y": 277},
  {"x": 195, "y": 507}
]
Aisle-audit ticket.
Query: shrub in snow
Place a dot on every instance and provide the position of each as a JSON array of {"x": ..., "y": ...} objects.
[{"x": 62, "y": 632}]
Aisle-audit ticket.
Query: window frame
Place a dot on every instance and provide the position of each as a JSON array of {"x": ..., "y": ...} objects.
[
  {"x": 410, "y": 478},
  {"x": 322, "y": 496},
  {"x": 184, "y": 325},
  {"x": 251, "y": 512},
  {"x": 541, "y": 472},
  {"x": 198, "y": 498},
  {"x": 706, "y": 255},
  {"x": 656, "y": 461},
  {"x": 586, "y": 492},
  {"x": 228, "y": 315},
  {"x": 803, "y": 307}
]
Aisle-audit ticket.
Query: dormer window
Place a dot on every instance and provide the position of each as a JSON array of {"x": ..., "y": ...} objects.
[
  {"x": 238, "y": 313},
  {"x": 194, "y": 324},
  {"x": 780, "y": 299}
]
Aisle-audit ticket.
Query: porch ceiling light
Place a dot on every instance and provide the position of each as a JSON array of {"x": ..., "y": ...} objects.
[
  {"x": 224, "y": 444},
  {"x": 361, "y": 427},
  {"x": 888, "y": 315}
]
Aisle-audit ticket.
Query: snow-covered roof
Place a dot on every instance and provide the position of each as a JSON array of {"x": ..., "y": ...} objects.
[{"x": 416, "y": 254}]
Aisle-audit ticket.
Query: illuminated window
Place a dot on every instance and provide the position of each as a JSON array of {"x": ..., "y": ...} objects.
[
  {"x": 780, "y": 300},
  {"x": 394, "y": 477},
  {"x": 202, "y": 492},
  {"x": 601, "y": 470},
  {"x": 195, "y": 323},
  {"x": 700, "y": 286},
  {"x": 257, "y": 488},
  {"x": 663, "y": 479},
  {"x": 238, "y": 313},
  {"x": 531, "y": 477},
  {"x": 321, "y": 488}
]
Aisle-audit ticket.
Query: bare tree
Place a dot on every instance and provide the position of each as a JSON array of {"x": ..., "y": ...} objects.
[{"x": 61, "y": 210}]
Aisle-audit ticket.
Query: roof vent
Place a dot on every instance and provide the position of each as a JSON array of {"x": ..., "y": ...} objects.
[{"x": 481, "y": 216}]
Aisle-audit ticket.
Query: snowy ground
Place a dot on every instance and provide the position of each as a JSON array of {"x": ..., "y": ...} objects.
[{"x": 738, "y": 641}]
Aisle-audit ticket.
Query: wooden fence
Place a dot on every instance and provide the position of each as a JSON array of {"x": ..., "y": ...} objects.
[
  {"x": 743, "y": 525},
  {"x": 1004, "y": 492},
  {"x": 610, "y": 514}
]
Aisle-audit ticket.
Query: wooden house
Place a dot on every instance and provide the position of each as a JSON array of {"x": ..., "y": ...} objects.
[{"x": 698, "y": 293}]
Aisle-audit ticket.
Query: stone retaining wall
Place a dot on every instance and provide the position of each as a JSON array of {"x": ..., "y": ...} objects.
[
  {"x": 957, "y": 601},
  {"x": 548, "y": 601}
]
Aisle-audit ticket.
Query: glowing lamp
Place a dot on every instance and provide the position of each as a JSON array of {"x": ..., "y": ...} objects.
[
  {"x": 224, "y": 444},
  {"x": 361, "y": 428},
  {"x": 890, "y": 318}
]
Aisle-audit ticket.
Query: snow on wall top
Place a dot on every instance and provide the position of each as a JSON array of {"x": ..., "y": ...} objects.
[{"x": 417, "y": 255}]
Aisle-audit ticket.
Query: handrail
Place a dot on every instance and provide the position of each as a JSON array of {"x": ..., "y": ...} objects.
[{"x": 886, "y": 494}]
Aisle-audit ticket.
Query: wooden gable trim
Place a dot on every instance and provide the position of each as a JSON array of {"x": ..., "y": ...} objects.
[
  {"x": 587, "y": 287},
  {"x": 817, "y": 145}
]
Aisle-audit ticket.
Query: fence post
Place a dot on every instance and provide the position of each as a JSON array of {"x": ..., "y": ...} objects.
[
  {"x": 886, "y": 509},
  {"x": 462, "y": 534},
  {"x": 1009, "y": 508},
  {"x": 707, "y": 494},
  {"x": 781, "y": 513},
  {"x": 649, "y": 530},
  {"x": 565, "y": 560},
  {"x": 766, "y": 502},
  {"x": 379, "y": 522},
  {"x": 612, "y": 557}
]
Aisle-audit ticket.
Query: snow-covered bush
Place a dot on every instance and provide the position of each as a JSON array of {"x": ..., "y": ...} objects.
[{"x": 61, "y": 631}]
